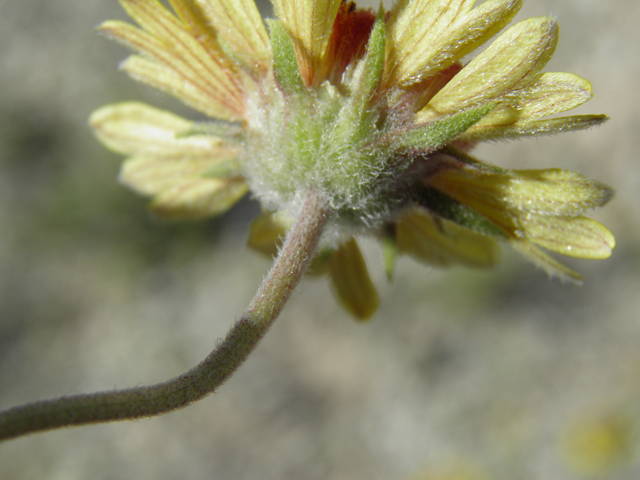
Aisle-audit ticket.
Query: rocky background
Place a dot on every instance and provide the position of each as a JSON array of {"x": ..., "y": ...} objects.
[{"x": 462, "y": 374}]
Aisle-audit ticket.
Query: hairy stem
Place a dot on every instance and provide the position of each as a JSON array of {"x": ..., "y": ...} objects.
[{"x": 213, "y": 371}]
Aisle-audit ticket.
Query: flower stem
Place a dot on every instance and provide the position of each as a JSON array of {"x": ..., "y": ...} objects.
[{"x": 293, "y": 260}]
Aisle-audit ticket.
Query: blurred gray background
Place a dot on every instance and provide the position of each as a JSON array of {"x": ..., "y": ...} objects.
[{"x": 465, "y": 375}]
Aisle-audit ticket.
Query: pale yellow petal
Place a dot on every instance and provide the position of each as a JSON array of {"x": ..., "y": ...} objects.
[
  {"x": 554, "y": 192},
  {"x": 351, "y": 281},
  {"x": 177, "y": 73},
  {"x": 552, "y": 93},
  {"x": 545, "y": 192},
  {"x": 137, "y": 129},
  {"x": 310, "y": 23},
  {"x": 195, "y": 198},
  {"x": 547, "y": 94},
  {"x": 165, "y": 79},
  {"x": 507, "y": 64},
  {"x": 427, "y": 36},
  {"x": 239, "y": 24},
  {"x": 550, "y": 265},
  {"x": 507, "y": 197},
  {"x": 415, "y": 29},
  {"x": 234, "y": 26},
  {"x": 155, "y": 175},
  {"x": 189, "y": 50},
  {"x": 174, "y": 169},
  {"x": 442, "y": 243},
  {"x": 542, "y": 206},
  {"x": 572, "y": 236}
]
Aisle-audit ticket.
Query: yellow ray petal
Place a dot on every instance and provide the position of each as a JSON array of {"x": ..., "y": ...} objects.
[
  {"x": 443, "y": 243},
  {"x": 547, "y": 94},
  {"x": 351, "y": 281},
  {"x": 552, "y": 93},
  {"x": 190, "y": 51},
  {"x": 310, "y": 23},
  {"x": 554, "y": 192},
  {"x": 197, "y": 197},
  {"x": 137, "y": 129},
  {"x": 544, "y": 192},
  {"x": 166, "y": 80},
  {"x": 221, "y": 100},
  {"x": 572, "y": 236},
  {"x": 542, "y": 206},
  {"x": 239, "y": 24},
  {"x": 415, "y": 29},
  {"x": 427, "y": 36},
  {"x": 234, "y": 26},
  {"x": 507, "y": 64},
  {"x": 155, "y": 175}
]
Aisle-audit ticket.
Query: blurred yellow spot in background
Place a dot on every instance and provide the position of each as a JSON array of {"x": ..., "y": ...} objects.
[{"x": 596, "y": 445}]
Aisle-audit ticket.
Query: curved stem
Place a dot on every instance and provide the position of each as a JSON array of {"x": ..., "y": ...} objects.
[{"x": 213, "y": 371}]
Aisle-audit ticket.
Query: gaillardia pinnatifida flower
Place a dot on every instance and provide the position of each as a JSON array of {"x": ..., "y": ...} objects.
[{"x": 375, "y": 111}]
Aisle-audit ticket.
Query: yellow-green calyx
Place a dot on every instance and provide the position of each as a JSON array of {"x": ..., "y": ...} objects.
[{"x": 341, "y": 139}]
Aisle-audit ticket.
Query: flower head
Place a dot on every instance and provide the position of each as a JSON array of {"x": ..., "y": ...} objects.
[{"x": 376, "y": 111}]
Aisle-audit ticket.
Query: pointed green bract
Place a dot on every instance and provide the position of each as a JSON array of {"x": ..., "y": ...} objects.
[
  {"x": 431, "y": 136},
  {"x": 535, "y": 128},
  {"x": 355, "y": 118},
  {"x": 374, "y": 59},
  {"x": 458, "y": 213},
  {"x": 285, "y": 64}
]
